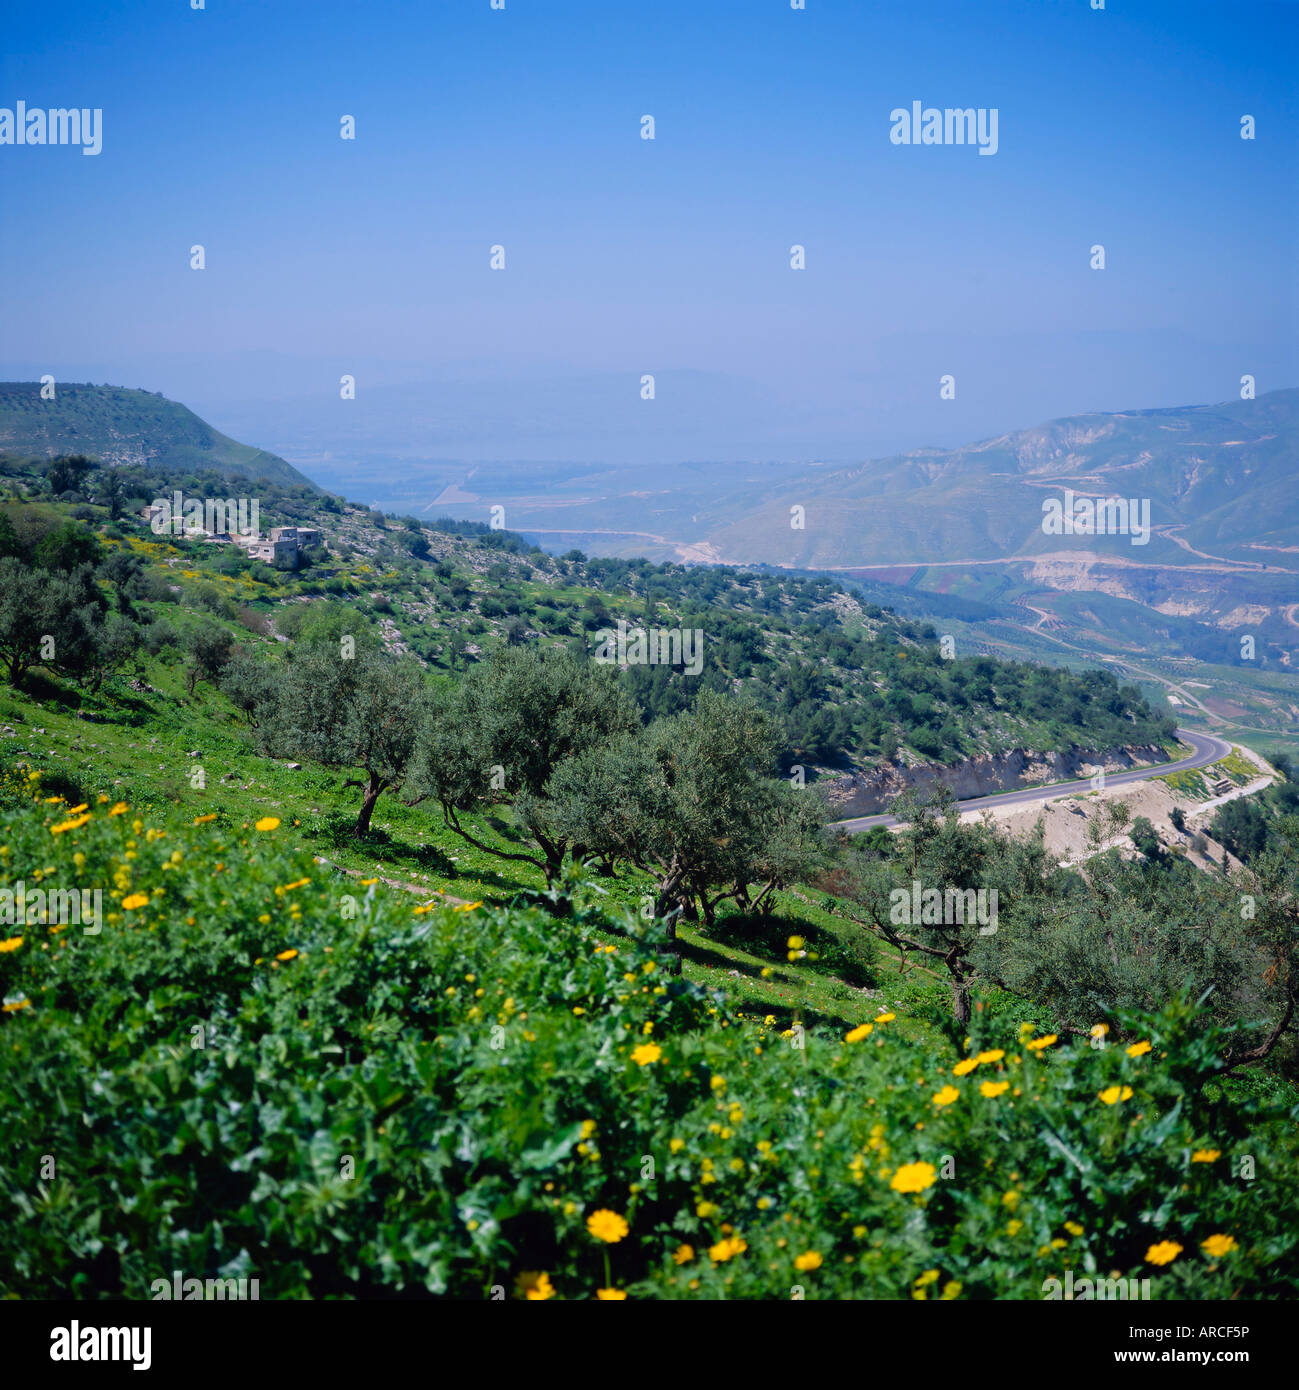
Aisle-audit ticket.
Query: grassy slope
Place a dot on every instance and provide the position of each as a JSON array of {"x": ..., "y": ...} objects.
[{"x": 148, "y": 763}]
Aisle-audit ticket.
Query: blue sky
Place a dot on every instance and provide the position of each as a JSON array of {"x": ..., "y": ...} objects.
[{"x": 521, "y": 127}]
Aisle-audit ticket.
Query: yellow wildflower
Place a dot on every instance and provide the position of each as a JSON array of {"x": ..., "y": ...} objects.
[
  {"x": 914, "y": 1177},
  {"x": 534, "y": 1285},
  {"x": 74, "y": 824},
  {"x": 607, "y": 1225}
]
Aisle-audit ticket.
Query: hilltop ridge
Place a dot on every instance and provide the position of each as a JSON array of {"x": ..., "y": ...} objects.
[{"x": 121, "y": 425}]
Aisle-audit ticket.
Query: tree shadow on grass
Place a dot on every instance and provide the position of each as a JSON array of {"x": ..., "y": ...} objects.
[
  {"x": 767, "y": 936},
  {"x": 746, "y": 1001},
  {"x": 398, "y": 854},
  {"x": 38, "y": 686},
  {"x": 703, "y": 953}
]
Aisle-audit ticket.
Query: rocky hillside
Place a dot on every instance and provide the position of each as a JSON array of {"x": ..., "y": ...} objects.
[{"x": 864, "y": 793}]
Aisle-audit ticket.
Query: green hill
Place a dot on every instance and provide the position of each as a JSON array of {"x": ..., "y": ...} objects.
[{"x": 124, "y": 426}]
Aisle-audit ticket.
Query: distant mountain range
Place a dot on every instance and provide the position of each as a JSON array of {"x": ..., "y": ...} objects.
[
  {"x": 1218, "y": 480},
  {"x": 1216, "y": 483},
  {"x": 119, "y": 425},
  {"x": 1215, "y": 577}
]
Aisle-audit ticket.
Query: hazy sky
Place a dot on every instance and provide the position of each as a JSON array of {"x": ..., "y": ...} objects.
[{"x": 476, "y": 127}]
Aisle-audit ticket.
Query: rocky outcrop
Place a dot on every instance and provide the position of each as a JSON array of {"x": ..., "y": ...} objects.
[{"x": 865, "y": 793}]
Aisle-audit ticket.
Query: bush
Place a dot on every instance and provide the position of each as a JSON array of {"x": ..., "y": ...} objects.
[
  {"x": 1241, "y": 826},
  {"x": 254, "y": 621},
  {"x": 211, "y": 599}
]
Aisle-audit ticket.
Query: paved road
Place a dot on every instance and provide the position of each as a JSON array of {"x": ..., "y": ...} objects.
[{"x": 1207, "y": 750}]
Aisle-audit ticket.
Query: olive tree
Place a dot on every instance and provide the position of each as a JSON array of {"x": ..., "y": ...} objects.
[
  {"x": 501, "y": 736},
  {"x": 692, "y": 802},
  {"x": 960, "y": 894},
  {"x": 364, "y": 713}
]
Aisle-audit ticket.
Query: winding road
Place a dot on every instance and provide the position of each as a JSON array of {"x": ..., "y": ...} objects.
[{"x": 1208, "y": 749}]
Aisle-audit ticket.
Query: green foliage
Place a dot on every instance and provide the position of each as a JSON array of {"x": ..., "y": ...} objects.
[
  {"x": 210, "y": 647},
  {"x": 1146, "y": 840},
  {"x": 268, "y": 1071},
  {"x": 58, "y": 620},
  {"x": 66, "y": 472},
  {"x": 952, "y": 892},
  {"x": 371, "y": 1044},
  {"x": 691, "y": 801},
  {"x": 1242, "y": 827},
  {"x": 361, "y": 713},
  {"x": 115, "y": 423},
  {"x": 1125, "y": 938},
  {"x": 505, "y": 731},
  {"x": 67, "y": 547}
]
